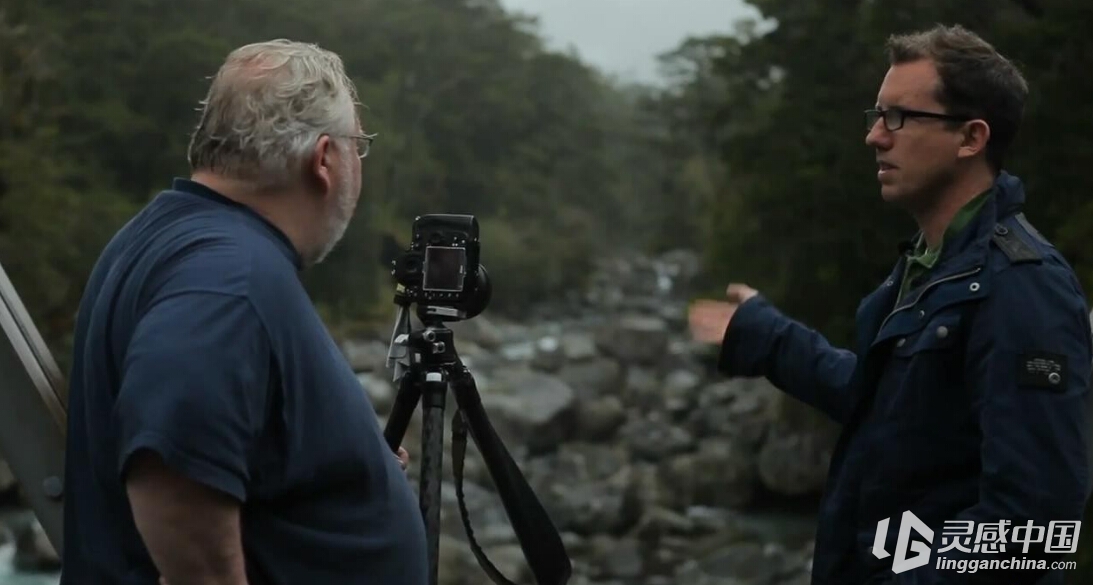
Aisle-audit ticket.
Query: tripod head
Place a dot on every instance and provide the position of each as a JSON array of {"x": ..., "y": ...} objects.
[{"x": 432, "y": 346}]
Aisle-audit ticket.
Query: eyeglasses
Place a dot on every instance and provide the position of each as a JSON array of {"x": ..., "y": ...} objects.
[
  {"x": 894, "y": 117},
  {"x": 364, "y": 143}
]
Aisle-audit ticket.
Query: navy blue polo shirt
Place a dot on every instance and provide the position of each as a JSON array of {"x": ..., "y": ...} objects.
[{"x": 196, "y": 339}]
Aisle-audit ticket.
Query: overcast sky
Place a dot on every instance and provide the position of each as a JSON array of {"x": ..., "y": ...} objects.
[{"x": 624, "y": 37}]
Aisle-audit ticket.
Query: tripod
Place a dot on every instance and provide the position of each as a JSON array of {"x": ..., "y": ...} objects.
[
  {"x": 434, "y": 366},
  {"x": 427, "y": 381}
]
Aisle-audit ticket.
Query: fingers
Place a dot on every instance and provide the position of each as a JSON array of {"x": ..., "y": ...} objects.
[
  {"x": 738, "y": 292},
  {"x": 403, "y": 458},
  {"x": 708, "y": 320}
]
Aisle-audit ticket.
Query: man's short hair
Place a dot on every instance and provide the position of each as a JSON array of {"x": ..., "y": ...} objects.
[
  {"x": 266, "y": 107},
  {"x": 976, "y": 80}
]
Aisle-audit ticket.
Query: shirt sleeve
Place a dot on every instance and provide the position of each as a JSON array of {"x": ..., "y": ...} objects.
[{"x": 194, "y": 386}]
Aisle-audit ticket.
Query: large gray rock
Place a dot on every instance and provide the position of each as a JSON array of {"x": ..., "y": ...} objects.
[
  {"x": 484, "y": 508},
  {"x": 617, "y": 559},
  {"x": 587, "y": 489},
  {"x": 579, "y": 346},
  {"x": 456, "y": 564},
  {"x": 681, "y": 391},
  {"x": 634, "y": 339},
  {"x": 795, "y": 463},
  {"x": 548, "y": 355},
  {"x": 740, "y": 408},
  {"x": 531, "y": 408},
  {"x": 722, "y": 473},
  {"x": 599, "y": 419},
  {"x": 641, "y": 386},
  {"x": 365, "y": 355},
  {"x": 380, "y": 389},
  {"x": 653, "y": 438},
  {"x": 594, "y": 377},
  {"x": 481, "y": 330}
]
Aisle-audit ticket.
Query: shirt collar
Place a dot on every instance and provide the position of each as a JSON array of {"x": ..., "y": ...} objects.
[
  {"x": 192, "y": 187},
  {"x": 961, "y": 220}
]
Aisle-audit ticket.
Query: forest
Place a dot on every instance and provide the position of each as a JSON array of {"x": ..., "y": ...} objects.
[{"x": 752, "y": 154}]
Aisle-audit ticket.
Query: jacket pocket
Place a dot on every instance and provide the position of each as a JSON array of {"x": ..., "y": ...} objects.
[
  {"x": 939, "y": 333},
  {"x": 921, "y": 389}
]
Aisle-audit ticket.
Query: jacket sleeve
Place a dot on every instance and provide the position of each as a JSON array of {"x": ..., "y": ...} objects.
[
  {"x": 761, "y": 341},
  {"x": 1027, "y": 364}
]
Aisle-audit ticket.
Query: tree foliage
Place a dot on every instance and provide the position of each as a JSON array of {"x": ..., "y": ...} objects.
[{"x": 474, "y": 115}]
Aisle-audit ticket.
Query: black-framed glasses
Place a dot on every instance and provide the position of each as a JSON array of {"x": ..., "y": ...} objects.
[{"x": 895, "y": 117}]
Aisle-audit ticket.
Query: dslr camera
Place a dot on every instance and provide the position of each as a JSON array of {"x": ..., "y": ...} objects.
[{"x": 441, "y": 272}]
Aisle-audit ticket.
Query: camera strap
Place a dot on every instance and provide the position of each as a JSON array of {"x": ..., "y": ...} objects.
[{"x": 539, "y": 539}]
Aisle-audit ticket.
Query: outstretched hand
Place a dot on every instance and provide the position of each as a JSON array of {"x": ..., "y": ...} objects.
[{"x": 709, "y": 320}]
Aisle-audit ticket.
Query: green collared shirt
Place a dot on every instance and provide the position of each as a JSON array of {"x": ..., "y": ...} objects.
[{"x": 922, "y": 259}]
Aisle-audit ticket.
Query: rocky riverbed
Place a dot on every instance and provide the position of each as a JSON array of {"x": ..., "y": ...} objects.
[{"x": 655, "y": 470}]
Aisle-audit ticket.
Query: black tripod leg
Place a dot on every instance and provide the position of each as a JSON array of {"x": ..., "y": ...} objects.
[
  {"x": 432, "y": 462},
  {"x": 409, "y": 392},
  {"x": 542, "y": 545}
]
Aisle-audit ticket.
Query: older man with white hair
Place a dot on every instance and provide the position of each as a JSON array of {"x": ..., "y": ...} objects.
[{"x": 216, "y": 434}]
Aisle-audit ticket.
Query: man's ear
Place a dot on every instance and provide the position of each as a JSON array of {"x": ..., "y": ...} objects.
[
  {"x": 321, "y": 164},
  {"x": 974, "y": 138}
]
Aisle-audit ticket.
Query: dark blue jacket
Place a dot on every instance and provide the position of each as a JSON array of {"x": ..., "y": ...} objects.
[{"x": 970, "y": 401}]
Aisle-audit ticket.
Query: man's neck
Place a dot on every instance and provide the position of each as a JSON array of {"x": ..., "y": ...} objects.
[
  {"x": 279, "y": 208},
  {"x": 934, "y": 220}
]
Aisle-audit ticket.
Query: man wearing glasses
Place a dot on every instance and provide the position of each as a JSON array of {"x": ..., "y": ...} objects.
[
  {"x": 966, "y": 399},
  {"x": 216, "y": 433}
]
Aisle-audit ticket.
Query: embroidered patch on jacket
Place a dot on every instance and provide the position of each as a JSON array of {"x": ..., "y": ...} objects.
[{"x": 1042, "y": 370}]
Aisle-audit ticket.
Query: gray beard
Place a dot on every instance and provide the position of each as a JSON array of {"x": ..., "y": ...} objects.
[{"x": 337, "y": 221}]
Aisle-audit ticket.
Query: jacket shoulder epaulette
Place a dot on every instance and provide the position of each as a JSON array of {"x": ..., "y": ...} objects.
[{"x": 1016, "y": 242}]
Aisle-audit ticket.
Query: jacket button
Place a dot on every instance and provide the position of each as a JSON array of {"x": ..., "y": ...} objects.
[
  {"x": 921, "y": 313},
  {"x": 973, "y": 286},
  {"x": 1001, "y": 230},
  {"x": 942, "y": 332},
  {"x": 901, "y": 341}
]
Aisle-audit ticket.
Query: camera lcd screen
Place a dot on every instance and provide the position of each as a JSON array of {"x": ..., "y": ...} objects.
[{"x": 444, "y": 268}]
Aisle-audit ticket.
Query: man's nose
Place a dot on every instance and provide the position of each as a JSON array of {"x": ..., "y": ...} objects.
[{"x": 878, "y": 136}]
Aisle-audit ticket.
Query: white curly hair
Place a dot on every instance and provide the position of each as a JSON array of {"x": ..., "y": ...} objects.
[{"x": 267, "y": 106}]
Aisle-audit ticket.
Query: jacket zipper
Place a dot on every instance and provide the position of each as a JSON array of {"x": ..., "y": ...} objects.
[{"x": 926, "y": 288}]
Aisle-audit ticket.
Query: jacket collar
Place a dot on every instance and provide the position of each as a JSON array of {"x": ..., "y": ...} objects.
[
  {"x": 967, "y": 250},
  {"x": 1007, "y": 198}
]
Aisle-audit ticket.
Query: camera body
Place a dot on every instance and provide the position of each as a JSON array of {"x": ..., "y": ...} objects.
[{"x": 441, "y": 271}]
